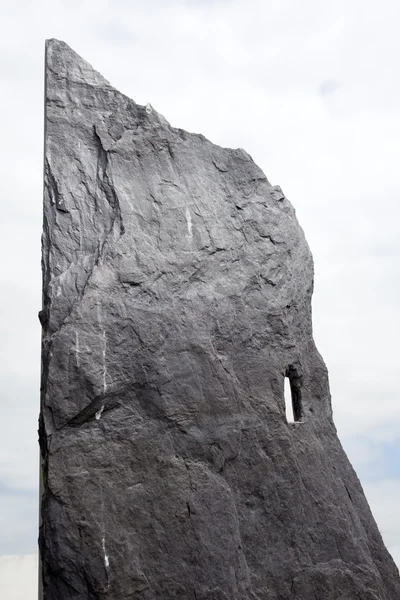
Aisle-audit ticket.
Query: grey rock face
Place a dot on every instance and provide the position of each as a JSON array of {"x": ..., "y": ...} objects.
[{"x": 176, "y": 297}]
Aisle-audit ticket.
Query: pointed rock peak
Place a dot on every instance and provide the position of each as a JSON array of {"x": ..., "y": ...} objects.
[{"x": 64, "y": 63}]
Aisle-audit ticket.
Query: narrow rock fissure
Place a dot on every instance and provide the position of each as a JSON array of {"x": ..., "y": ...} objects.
[{"x": 292, "y": 392}]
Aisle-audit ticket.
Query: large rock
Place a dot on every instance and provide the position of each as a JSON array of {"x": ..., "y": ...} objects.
[{"x": 177, "y": 296}]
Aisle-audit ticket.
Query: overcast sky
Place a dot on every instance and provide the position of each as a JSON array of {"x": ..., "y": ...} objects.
[{"x": 311, "y": 90}]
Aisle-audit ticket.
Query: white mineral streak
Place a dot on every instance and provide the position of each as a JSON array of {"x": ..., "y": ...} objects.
[
  {"x": 106, "y": 560},
  {"x": 103, "y": 349},
  {"x": 99, "y": 413},
  {"x": 104, "y": 352},
  {"x": 77, "y": 348},
  {"x": 189, "y": 222}
]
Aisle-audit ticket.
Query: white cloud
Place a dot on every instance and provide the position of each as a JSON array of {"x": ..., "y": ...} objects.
[
  {"x": 19, "y": 520},
  {"x": 19, "y": 577},
  {"x": 384, "y": 499}
]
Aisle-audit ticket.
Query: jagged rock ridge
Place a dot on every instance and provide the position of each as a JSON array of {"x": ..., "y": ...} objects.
[{"x": 176, "y": 298}]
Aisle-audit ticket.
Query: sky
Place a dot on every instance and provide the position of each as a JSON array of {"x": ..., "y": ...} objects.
[{"x": 311, "y": 91}]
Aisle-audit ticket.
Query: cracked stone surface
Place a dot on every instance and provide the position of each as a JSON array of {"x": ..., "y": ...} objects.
[{"x": 177, "y": 290}]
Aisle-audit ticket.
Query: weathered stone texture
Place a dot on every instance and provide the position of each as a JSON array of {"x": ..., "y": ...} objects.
[{"x": 177, "y": 294}]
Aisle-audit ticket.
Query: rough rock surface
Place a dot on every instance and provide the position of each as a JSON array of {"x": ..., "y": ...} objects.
[{"x": 177, "y": 295}]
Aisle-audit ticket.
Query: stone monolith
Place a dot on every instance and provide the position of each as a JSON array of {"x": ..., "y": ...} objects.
[{"x": 177, "y": 290}]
